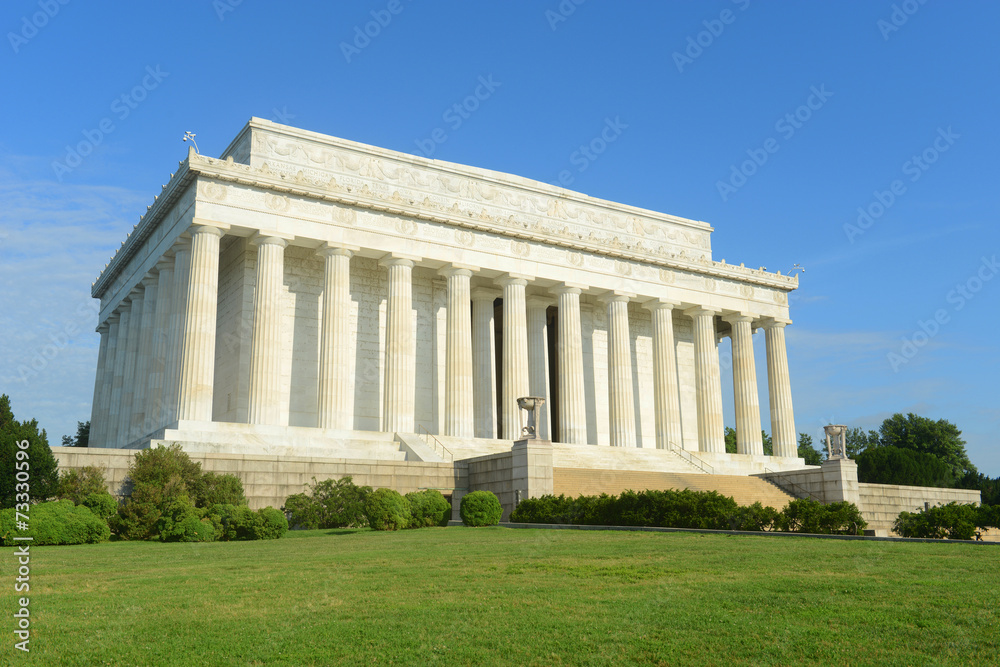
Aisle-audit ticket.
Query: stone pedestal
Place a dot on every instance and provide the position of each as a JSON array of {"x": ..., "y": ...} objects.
[
  {"x": 840, "y": 481},
  {"x": 531, "y": 472}
]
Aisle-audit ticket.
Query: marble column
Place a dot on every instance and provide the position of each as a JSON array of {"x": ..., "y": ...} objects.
[
  {"x": 128, "y": 375},
  {"x": 538, "y": 362},
  {"x": 708, "y": 385},
  {"x": 748, "y": 436},
  {"x": 197, "y": 376},
  {"x": 515, "y": 354},
  {"x": 175, "y": 337},
  {"x": 265, "y": 340},
  {"x": 140, "y": 401},
  {"x": 779, "y": 386},
  {"x": 459, "y": 415},
  {"x": 666, "y": 396},
  {"x": 400, "y": 348},
  {"x": 620, "y": 397},
  {"x": 98, "y": 411},
  {"x": 484, "y": 374},
  {"x": 155, "y": 412},
  {"x": 569, "y": 350},
  {"x": 116, "y": 352},
  {"x": 335, "y": 396}
]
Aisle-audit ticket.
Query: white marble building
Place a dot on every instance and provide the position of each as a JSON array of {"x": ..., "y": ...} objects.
[{"x": 310, "y": 295}]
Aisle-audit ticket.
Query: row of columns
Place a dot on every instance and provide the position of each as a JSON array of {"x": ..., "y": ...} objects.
[{"x": 157, "y": 356}]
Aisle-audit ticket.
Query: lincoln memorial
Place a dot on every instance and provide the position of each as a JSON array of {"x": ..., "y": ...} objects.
[{"x": 309, "y": 296}]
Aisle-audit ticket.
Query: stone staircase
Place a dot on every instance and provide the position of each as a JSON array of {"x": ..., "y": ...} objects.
[{"x": 745, "y": 490}]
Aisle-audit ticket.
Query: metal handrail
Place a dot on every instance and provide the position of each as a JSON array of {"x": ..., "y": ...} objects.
[
  {"x": 797, "y": 490},
  {"x": 691, "y": 458},
  {"x": 444, "y": 452}
]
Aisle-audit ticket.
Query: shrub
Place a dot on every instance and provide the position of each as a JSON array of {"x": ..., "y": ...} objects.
[
  {"x": 953, "y": 521},
  {"x": 139, "y": 514},
  {"x": 273, "y": 524},
  {"x": 329, "y": 504},
  {"x": 754, "y": 517},
  {"x": 215, "y": 489},
  {"x": 480, "y": 508},
  {"x": 77, "y": 484},
  {"x": 180, "y": 522},
  {"x": 102, "y": 504},
  {"x": 428, "y": 508},
  {"x": 162, "y": 465},
  {"x": 57, "y": 522},
  {"x": 805, "y": 515},
  {"x": 385, "y": 509}
]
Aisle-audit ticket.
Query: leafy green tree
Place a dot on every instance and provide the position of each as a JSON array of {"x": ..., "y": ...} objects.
[
  {"x": 857, "y": 441},
  {"x": 896, "y": 465},
  {"x": 989, "y": 488},
  {"x": 940, "y": 438},
  {"x": 43, "y": 475},
  {"x": 808, "y": 452},
  {"x": 82, "y": 438}
]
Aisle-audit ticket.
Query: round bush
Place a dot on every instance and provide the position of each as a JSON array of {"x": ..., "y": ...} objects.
[
  {"x": 273, "y": 524},
  {"x": 387, "y": 510},
  {"x": 480, "y": 508},
  {"x": 58, "y": 522},
  {"x": 429, "y": 508}
]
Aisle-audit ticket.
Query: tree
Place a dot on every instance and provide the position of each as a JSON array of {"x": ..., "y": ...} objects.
[
  {"x": 895, "y": 465},
  {"x": 940, "y": 438},
  {"x": 857, "y": 441},
  {"x": 807, "y": 451},
  {"x": 82, "y": 436},
  {"x": 42, "y": 469}
]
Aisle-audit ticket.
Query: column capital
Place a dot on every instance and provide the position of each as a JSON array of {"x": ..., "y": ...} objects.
[
  {"x": 536, "y": 301},
  {"x": 616, "y": 296},
  {"x": 151, "y": 278},
  {"x": 485, "y": 294},
  {"x": 104, "y": 326},
  {"x": 660, "y": 304},
  {"x": 774, "y": 322},
  {"x": 327, "y": 249},
  {"x": 164, "y": 263},
  {"x": 268, "y": 238},
  {"x": 183, "y": 243},
  {"x": 698, "y": 311},
  {"x": 457, "y": 270},
  {"x": 733, "y": 318},
  {"x": 113, "y": 318},
  {"x": 399, "y": 259},
  {"x": 513, "y": 279},
  {"x": 199, "y": 226}
]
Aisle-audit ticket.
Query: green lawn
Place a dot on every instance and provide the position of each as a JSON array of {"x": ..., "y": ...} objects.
[{"x": 499, "y": 596}]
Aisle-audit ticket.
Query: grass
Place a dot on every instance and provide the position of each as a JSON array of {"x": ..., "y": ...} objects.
[{"x": 491, "y": 596}]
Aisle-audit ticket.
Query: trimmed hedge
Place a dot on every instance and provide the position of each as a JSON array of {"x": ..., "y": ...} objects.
[
  {"x": 689, "y": 509},
  {"x": 57, "y": 522},
  {"x": 428, "y": 508},
  {"x": 480, "y": 508},
  {"x": 385, "y": 509}
]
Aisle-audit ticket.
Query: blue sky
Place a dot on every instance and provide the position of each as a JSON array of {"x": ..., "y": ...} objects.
[{"x": 781, "y": 124}]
